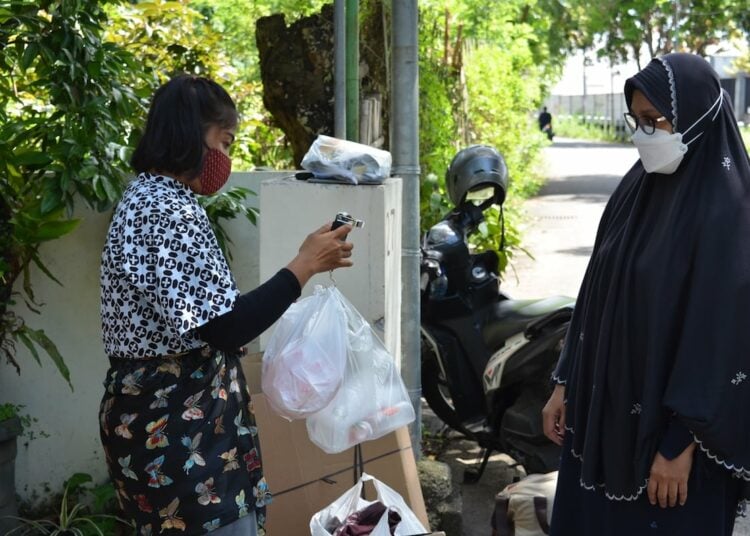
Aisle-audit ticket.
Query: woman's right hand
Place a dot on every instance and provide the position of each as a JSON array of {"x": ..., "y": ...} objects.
[
  {"x": 553, "y": 415},
  {"x": 322, "y": 250}
]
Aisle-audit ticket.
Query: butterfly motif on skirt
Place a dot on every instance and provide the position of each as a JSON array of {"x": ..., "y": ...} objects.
[
  {"x": 193, "y": 411},
  {"x": 230, "y": 460},
  {"x": 241, "y": 428},
  {"x": 206, "y": 493},
  {"x": 217, "y": 383},
  {"x": 262, "y": 493},
  {"x": 239, "y": 500},
  {"x": 171, "y": 367},
  {"x": 111, "y": 382},
  {"x": 143, "y": 504},
  {"x": 125, "y": 465},
  {"x": 194, "y": 457},
  {"x": 234, "y": 385},
  {"x": 169, "y": 517},
  {"x": 197, "y": 374},
  {"x": 219, "y": 425},
  {"x": 210, "y": 526},
  {"x": 156, "y": 478},
  {"x": 157, "y": 437},
  {"x": 122, "y": 496},
  {"x": 122, "y": 429},
  {"x": 161, "y": 397},
  {"x": 146, "y": 530},
  {"x": 130, "y": 383},
  {"x": 252, "y": 461},
  {"x": 104, "y": 414}
]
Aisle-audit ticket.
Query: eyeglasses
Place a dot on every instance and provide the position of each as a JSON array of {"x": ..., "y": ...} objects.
[{"x": 647, "y": 125}]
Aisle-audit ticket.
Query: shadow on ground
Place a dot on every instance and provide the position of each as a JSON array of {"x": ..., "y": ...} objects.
[
  {"x": 583, "y": 187},
  {"x": 587, "y": 144},
  {"x": 584, "y": 251},
  {"x": 478, "y": 499}
]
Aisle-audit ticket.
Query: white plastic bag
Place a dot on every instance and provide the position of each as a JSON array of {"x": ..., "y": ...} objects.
[
  {"x": 346, "y": 161},
  {"x": 372, "y": 399},
  {"x": 351, "y": 502},
  {"x": 304, "y": 362}
]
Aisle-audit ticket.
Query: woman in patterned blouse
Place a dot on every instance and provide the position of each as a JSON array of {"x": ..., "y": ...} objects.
[{"x": 176, "y": 418}]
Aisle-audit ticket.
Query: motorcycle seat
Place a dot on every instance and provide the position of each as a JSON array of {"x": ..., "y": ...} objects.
[{"x": 513, "y": 316}]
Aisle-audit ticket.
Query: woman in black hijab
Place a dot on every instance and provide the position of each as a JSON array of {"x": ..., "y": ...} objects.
[{"x": 652, "y": 404}]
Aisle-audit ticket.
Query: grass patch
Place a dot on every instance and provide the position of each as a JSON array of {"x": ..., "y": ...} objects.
[
  {"x": 745, "y": 131},
  {"x": 571, "y": 126}
]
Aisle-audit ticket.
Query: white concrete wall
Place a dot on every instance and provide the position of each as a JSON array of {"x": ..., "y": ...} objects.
[
  {"x": 292, "y": 209},
  {"x": 70, "y": 316}
]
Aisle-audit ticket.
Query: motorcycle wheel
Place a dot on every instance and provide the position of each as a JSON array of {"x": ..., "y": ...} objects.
[{"x": 435, "y": 391}]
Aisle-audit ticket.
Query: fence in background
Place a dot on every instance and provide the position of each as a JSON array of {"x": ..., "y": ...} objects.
[{"x": 604, "y": 110}]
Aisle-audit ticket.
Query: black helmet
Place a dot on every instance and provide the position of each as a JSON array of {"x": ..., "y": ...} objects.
[{"x": 477, "y": 168}]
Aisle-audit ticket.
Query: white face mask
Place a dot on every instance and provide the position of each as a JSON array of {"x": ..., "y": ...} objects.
[{"x": 662, "y": 152}]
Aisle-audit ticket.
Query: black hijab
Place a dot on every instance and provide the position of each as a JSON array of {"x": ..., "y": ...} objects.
[{"x": 661, "y": 329}]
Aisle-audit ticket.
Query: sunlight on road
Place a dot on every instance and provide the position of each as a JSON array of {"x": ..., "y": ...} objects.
[{"x": 561, "y": 221}]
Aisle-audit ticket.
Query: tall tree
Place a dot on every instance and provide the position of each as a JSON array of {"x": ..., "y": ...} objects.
[{"x": 626, "y": 28}]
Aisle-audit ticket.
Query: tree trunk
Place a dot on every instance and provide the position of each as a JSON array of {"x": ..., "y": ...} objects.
[{"x": 297, "y": 66}]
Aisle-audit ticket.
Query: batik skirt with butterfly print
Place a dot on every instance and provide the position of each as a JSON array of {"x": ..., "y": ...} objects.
[{"x": 181, "y": 444}]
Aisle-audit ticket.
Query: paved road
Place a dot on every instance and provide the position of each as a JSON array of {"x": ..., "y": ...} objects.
[
  {"x": 559, "y": 234},
  {"x": 562, "y": 220}
]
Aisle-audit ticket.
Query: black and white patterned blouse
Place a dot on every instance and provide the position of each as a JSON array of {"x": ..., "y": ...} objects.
[{"x": 162, "y": 273}]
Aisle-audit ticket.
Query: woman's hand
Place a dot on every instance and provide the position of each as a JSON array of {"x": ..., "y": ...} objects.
[
  {"x": 668, "y": 483},
  {"x": 322, "y": 250},
  {"x": 553, "y": 415}
]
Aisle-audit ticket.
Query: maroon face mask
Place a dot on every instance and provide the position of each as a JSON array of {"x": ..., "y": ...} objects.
[{"x": 216, "y": 169}]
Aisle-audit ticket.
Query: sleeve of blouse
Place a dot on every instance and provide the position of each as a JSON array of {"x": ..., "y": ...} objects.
[
  {"x": 253, "y": 313},
  {"x": 172, "y": 258}
]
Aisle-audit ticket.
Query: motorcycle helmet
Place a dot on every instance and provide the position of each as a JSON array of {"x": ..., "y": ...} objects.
[{"x": 477, "y": 174}]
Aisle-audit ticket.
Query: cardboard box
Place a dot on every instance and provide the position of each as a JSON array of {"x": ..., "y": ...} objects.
[{"x": 304, "y": 479}]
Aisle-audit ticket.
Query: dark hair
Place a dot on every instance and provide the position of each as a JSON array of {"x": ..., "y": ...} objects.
[{"x": 181, "y": 112}]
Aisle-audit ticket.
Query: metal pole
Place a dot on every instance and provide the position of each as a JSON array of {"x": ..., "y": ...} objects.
[
  {"x": 404, "y": 145},
  {"x": 352, "y": 70},
  {"x": 339, "y": 71}
]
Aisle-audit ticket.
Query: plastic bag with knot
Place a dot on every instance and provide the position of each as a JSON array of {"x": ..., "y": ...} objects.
[{"x": 305, "y": 359}]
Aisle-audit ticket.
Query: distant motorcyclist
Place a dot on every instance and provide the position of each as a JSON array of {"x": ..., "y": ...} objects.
[{"x": 545, "y": 123}]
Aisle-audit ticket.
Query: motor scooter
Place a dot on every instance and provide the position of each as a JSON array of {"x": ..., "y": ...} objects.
[{"x": 487, "y": 359}]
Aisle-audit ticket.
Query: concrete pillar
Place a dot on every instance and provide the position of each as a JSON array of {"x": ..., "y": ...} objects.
[{"x": 291, "y": 209}]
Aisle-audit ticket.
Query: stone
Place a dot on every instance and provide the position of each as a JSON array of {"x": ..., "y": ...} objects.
[
  {"x": 436, "y": 480},
  {"x": 442, "y": 499}
]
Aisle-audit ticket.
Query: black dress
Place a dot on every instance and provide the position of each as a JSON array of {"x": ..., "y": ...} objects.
[
  {"x": 710, "y": 509},
  {"x": 658, "y": 347}
]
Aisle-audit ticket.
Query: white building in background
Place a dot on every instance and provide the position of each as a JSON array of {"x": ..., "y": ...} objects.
[
  {"x": 735, "y": 83},
  {"x": 593, "y": 88}
]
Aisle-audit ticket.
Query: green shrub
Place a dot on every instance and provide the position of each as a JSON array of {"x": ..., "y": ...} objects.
[
  {"x": 7, "y": 411},
  {"x": 84, "y": 510}
]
